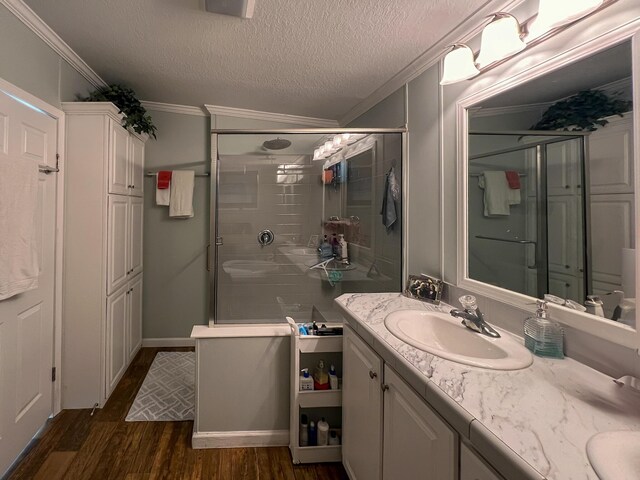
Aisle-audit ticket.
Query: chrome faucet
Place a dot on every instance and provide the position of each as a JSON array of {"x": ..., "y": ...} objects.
[{"x": 472, "y": 317}]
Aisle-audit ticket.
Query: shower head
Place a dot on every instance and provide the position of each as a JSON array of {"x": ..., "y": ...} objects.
[{"x": 276, "y": 144}]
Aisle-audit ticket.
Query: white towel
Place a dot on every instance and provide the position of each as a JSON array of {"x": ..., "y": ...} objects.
[
  {"x": 19, "y": 265},
  {"x": 162, "y": 196},
  {"x": 181, "y": 203},
  {"x": 497, "y": 194}
]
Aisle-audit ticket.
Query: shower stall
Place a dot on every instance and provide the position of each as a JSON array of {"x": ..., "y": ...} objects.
[
  {"x": 275, "y": 195},
  {"x": 541, "y": 244}
]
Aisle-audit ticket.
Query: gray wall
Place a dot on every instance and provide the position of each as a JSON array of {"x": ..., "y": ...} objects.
[
  {"x": 389, "y": 113},
  {"x": 175, "y": 275},
  {"x": 29, "y": 63}
]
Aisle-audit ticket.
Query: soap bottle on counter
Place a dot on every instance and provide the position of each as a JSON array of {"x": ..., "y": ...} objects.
[
  {"x": 321, "y": 377},
  {"x": 306, "y": 382},
  {"x": 543, "y": 336}
]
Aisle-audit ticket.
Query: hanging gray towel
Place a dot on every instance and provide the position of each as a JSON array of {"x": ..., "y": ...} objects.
[{"x": 391, "y": 194}]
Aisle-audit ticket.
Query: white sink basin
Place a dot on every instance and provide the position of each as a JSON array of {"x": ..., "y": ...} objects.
[
  {"x": 443, "y": 335},
  {"x": 615, "y": 455}
]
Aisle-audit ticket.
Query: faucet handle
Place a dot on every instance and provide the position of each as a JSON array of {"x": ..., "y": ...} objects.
[{"x": 468, "y": 302}]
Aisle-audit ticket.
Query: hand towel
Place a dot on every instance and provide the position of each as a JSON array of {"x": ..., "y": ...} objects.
[
  {"x": 19, "y": 263},
  {"x": 181, "y": 203},
  {"x": 163, "y": 194},
  {"x": 513, "y": 179},
  {"x": 391, "y": 190},
  {"x": 496, "y": 193}
]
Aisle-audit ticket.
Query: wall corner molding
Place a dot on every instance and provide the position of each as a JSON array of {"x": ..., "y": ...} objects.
[
  {"x": 27, "y": 16},
  {"x": 270, "y": 116},
  {"x": 174, "y": 108}
]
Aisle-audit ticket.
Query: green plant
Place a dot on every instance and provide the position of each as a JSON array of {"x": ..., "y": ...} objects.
[
  {"x": 582, "y": 111},
  {"x": 135, "y": 115}
]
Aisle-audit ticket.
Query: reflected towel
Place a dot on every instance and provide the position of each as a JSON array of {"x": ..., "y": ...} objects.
[
  {"x": 163, "y": 190},
  {"x": 181, "y": 203},
  {"x": 497, "y": 194},
  {"x": 19, "y": 263},
  {"x": 391, "y": 192}
]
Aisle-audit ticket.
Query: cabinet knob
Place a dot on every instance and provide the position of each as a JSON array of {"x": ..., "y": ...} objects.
[
  {"x": 567, "y": 266},
  {"x": 372, "y": 374},
  {"x": 384, "y": 387}
]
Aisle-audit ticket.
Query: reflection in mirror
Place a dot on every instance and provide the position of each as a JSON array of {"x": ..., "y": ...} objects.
[{"x": 551, "y": 187}]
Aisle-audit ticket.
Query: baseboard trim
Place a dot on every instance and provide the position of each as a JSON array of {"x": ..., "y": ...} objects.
[
  {"x": 253, "y": 438},
  {"x": 168, "y": 342}
]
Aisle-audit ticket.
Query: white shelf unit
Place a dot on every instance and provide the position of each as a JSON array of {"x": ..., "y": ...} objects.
[{"x": 313, "y": 399}]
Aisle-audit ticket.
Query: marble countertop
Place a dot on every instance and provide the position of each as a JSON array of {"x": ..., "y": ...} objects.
[{"x": 545, "y": 413}]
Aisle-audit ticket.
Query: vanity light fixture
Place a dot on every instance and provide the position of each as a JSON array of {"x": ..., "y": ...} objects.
[
  {"x": 553, "y": 14},
  {"x": 459, "y": 65},
  {"x": 501, "y": 38},
  {"x": 335, "y": 144}
]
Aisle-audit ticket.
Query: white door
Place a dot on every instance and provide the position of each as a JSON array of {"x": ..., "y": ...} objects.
[
  {"x": 361, "y": 409},
  {"x": 136, "y": 208},
  {"x": 136, "y": 165},
  {"x": 135, "y": 316},
  {"x": 27, "y": 319},
  {"x": 119, "y": 181},
  {"x": 117, "y": 312},
  {"x": 417, "y": 443},
  {"x": 118, "y": 242}
]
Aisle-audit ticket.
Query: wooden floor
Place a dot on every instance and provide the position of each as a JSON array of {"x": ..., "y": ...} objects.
[{"x": 75, "y": 445}]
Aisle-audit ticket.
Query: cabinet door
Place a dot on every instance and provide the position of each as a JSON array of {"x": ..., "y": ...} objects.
[
  {"x": 118, "y": 241},
  {"x": 472, "y": 467},
  {"x": 136, "y": 166},
  {"x": 119, "y": 169},
  {"x": 116, "y": 346},
  {"x": 417, "y": 443},
  {"x": 361, "y": 409},
  {"x": 136, "y": 207},
  {"x": 134, "y": 318}
]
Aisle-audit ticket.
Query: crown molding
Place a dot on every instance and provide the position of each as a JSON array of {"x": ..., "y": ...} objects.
[
  {"x": 469, "y": 28},
  {"x": 51, "y": 38},
  {"x": 493, "y": 111},
  {"x": 173, "y": 108},
  {"x": 270, "y": 116}
]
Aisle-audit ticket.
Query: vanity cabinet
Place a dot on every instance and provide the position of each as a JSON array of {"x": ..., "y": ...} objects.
[
  {"x": 102, "y": 282},
  {"x": 383, "y": 414},
  {"x": 472, "y": 467}
]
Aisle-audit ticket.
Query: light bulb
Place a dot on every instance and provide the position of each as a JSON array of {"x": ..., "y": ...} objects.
[
  {"x": 458, "y": 65},
  {"x": 500, "y": 39},
  {"x": 553, "y": 14}
]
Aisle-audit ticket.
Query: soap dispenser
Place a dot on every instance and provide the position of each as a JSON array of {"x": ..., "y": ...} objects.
[{"x": 543, "y": 336}]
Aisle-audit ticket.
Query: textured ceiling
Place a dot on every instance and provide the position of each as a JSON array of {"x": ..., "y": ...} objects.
[{"x": 316, "y": 58}]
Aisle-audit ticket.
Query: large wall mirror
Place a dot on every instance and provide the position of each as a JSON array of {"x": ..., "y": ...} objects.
[{"x": 550, "y": 189}]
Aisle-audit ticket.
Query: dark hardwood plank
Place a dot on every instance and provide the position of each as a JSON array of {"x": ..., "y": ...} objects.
[{"x": 76, "y": 446}]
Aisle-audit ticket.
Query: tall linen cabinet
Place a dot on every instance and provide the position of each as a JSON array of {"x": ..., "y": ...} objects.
[{"x": 102, "y": 275}]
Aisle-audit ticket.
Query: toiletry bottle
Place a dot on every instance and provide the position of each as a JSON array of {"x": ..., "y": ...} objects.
[
  {"x": 344, "y": 255},
  {"x": 333, "y": 378},
  {"x": 313, "y": 438},
  {"x": 321, "y": 377},
  {"x": 335, "y": 246},
  {"x": 333, "y": 438},
  {"x": 304, "y": 430},
  {"x": 323, "y": 433},
  {"x": 543, "y": 336},
  {"x": 306, "y": 382},
  {"x": 325, "y": 248}
]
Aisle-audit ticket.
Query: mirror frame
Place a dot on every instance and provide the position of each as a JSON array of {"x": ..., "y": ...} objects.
[{"x": 617, "y": 333}]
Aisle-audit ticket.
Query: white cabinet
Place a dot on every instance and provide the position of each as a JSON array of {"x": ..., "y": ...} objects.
[
  {"x": 472, "y": 467},
  {"x": 102, "y": 304},
  {"x": 415, "y": 442},
  {"x": 126, "y": 161},
  {"x": 361, "y": 409}
]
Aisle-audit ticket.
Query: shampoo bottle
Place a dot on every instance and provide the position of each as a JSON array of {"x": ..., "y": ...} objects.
[
  {"x": 344, "y": 255},
  {"x": 304, "y": 430},
  {"x": 543, "y": 336},
  {"x": 326, "y": 250},
  {"x": 313, "y": 439},
  {"x": 333, "y": 378},
  {"x": 323, "y": 433}
]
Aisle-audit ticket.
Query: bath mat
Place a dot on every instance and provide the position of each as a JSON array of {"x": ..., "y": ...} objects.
[{"x": 168, "y": 391}]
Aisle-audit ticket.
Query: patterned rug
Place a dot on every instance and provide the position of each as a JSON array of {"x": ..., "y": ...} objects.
[{"x": 168, "y": 391}]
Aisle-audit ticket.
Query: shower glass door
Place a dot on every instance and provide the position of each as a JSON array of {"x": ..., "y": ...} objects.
[{"x": 272, "y": 205}]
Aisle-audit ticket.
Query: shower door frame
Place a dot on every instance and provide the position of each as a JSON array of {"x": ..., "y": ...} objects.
[{"x": 215, "y": 240}]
